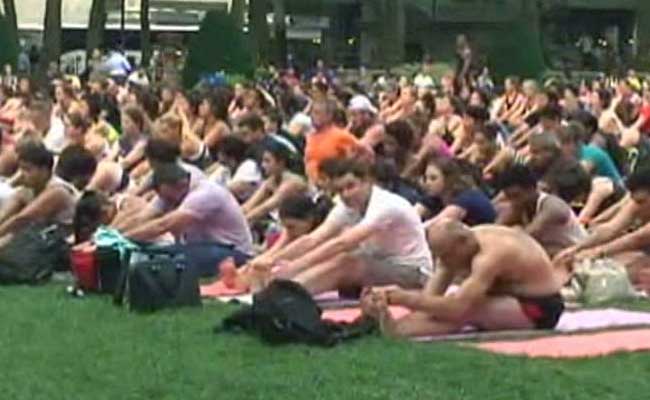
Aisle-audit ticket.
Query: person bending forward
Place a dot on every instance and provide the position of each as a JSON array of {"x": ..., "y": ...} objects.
[{"x": 509, "y": 284}]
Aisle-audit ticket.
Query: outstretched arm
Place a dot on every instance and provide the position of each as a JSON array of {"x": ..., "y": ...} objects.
[{"x": 454, "y": 307}]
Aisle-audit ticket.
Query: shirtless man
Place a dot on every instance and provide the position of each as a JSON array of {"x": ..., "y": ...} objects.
[{"x": 509, "y": 284}]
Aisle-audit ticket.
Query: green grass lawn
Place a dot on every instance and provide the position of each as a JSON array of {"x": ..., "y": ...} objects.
[{"x": 56, "y": 347}]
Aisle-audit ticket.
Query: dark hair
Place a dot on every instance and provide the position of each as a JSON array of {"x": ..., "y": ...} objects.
[
  {"x": 402, "y": 132},
  {"x": 552, "y": 96},
  {"x": 148, "y": 101},
  {"x": 252, "y": 121},
  {"x": 574, "y": 132},
  {"x": 303, "y": 207},
  {"x": 35, "y": 153},
  {"x": 77, "y": 120},
  {"x": 275, "y": 117},
  {"x": 168, "y": 174},
  {"x": 94, "y": 102},
  {"x": 338, "y": 167},
  {"x": 279, "y": 151},
  {"x": 429, "y": 102},
  {"x": 161, "y": 150},
  {"x": 551, "y": 111},
  {"x": 568, "y": 179},
  {"x": 490, "y": 131},
  {"x": 517, "y": 175},
  {"x": 385, "y": 172},
  {"x": 233, "y": 146},
  {"x": 136, "y": 114},
  {"x": 588, "y": 121},
  {"x": 194, "y": 99},
  {"x": 480, "y": 114},
  {"x": 605, "y": 97},
  {"x": 88, "y": 215},
  {"x": 218, "y": 100},
  {"x": 75, "y": 161},
  {"x": 456, "y": 178},
  {"x": 639, "y": 179}
]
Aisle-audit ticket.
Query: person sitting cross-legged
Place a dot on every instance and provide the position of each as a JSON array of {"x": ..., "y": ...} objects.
[
  {"x": 508, "y": 283},
  {"x": 371, "y": 237}
]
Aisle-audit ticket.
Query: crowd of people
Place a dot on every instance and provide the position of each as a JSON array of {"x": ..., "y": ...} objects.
[{"x": 391, "y": 192}]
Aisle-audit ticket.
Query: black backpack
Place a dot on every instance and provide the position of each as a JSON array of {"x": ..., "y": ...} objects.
[
  {"x": 285, "y": 312},
  {"x": 33, "y": 254}
]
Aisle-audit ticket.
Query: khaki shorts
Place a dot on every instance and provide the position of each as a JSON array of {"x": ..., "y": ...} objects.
[{"x": 384, "y": 272}]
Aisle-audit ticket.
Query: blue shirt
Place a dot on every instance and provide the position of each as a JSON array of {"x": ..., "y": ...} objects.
[
  {"x": 478, "y": 207},
  {"x": 602, "y": 162}
]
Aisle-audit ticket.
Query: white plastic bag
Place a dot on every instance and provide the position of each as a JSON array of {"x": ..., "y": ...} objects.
[{"x": 601, "y": 280}]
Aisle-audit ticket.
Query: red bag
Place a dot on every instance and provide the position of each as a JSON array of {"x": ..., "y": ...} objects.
[{"x": 84, "y": 266}]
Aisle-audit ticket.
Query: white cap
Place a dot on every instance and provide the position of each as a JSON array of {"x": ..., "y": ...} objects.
[{"x": 361, "y": 103}]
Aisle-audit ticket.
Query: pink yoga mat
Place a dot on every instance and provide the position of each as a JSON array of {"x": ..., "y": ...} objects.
[
  {"x": 218, "y": 289},
  {"x": 574, "y": 346},
  {"x": 571, "y": 321}
]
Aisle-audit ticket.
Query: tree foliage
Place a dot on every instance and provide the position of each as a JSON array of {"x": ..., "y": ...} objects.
[
  {"x": 218, "y": 46},
  {"x": 8, "y": 44}
]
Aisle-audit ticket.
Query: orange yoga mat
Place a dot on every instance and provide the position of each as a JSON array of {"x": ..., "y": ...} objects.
[{"x": 574, "y": 346}]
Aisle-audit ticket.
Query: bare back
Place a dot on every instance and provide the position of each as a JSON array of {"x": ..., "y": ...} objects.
[{"x": 523, "y": 269}]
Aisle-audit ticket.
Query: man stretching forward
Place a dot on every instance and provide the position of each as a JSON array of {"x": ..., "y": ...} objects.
[
  {"x": 372, "y": 237},
  {"x": 509, "y": 283}
]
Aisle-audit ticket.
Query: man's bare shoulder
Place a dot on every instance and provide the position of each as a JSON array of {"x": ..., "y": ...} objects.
[{"x": 500, "y": 241}]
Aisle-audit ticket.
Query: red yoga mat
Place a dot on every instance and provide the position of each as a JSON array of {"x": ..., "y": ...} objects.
[{"x": 574, "y": 346}]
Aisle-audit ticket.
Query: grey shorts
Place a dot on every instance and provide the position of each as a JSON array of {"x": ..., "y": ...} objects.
[{"x": 384, "y": 272}]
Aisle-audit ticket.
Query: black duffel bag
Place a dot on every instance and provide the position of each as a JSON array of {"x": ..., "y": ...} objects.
[
  {"x": 157, "y": 279},
  {"x": 33, "y": 254}
]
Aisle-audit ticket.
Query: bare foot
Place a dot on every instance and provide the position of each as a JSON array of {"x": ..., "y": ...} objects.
[
  {"x": 258, "y": 277},
  {"x": 368, "y": 304},
  {"x": 232, "y": 278},
  {"x": 385, "y": 318}
]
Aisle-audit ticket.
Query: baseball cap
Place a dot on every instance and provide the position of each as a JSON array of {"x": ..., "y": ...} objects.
[{"x": 361, "y": 103}]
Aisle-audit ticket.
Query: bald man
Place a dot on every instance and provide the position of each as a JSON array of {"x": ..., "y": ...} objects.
[{"x": 508, "y": 283}]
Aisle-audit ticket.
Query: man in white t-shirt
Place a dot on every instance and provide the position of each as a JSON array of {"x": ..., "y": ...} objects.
[{"x": 371, "y": 238}]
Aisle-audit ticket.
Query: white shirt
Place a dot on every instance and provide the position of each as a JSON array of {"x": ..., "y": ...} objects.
[
  {"x": 399, "y": 236},
  {"x": 248, "y": 172},
  {"x": 55, "y": 138}
]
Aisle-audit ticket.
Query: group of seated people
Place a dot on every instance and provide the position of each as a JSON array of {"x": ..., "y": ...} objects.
[{"x": 468, "y": 209}]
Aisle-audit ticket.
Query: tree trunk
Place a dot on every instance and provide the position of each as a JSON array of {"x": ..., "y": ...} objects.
[
  {"x": 237, "y": 10},
  {"x": 259, "y": 30},
  {"x": 394, "y": 32},
  {"x": 12, "y": 19},
  {"x": 280, "y": 30},
  {"x": 96, "y": 24},
  {"x": 145, "y": 33},
  {"x": 51, "y": 36}
]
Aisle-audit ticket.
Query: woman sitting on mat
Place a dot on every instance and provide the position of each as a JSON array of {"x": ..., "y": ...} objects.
[
  {"x": 453, "y": 194},
  {"x": 280, "y": 184},
  {"x": 299, "y": 215}
]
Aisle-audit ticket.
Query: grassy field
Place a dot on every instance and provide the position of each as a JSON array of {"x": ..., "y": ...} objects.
[{"x": 56, "y": 347}]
